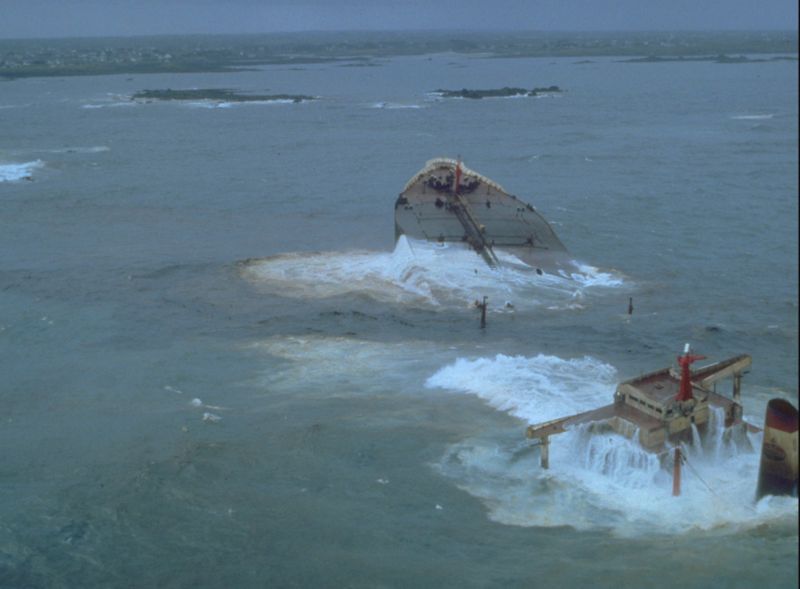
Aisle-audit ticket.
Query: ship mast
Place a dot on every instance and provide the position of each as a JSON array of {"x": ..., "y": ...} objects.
[{"x": 685, "y": 361}]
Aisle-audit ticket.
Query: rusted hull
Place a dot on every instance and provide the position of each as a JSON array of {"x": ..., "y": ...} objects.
[{"x": 777, "y": 474}]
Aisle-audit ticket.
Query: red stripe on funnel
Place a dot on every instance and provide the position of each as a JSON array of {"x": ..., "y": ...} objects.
[{"x": 781, "y": 415}]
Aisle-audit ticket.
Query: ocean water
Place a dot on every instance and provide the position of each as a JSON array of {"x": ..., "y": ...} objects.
[{"x": 219, "y": 370}]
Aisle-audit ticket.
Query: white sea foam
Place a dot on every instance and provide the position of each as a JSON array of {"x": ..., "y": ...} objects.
[
  {"x": 214, "y": 104},
  {"x": 12, "y": 172},
  {"x": 207, "y": 104},
  {"x": 350, "y": 362},
  {"x": 111, "y": 100},
  {"x": 91, "y": 149},
  {"x": 761, "y": 117},
  {"x": 114, "y": 104},
  {"x": 395, "y": 106},
  {"x": 76, "y": 149},
  {"x": 534, "y": 389},
  {"x": 276, "y": 101},
  {"x": 426, "y": 274},
  {"x": 597, "y": 478}
]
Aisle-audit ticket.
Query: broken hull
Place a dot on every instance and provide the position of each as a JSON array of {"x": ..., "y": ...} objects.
[
  {"x": 449, "y": 203},
  {"x": 647, "y": 407},
  {"x": 778, "y": 471}
]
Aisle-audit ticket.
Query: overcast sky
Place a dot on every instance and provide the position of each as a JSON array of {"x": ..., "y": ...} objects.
[{"x": 69, "y": 18}]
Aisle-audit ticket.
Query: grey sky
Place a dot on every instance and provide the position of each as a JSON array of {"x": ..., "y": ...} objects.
[{"x": 69, "y": 18}]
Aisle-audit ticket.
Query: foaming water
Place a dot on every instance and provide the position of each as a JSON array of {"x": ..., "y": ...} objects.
[
  {"x": 111, "y": 100},
  {"x": 425, "y": 274},
  {"x": 534, "y": 389},
  {"x": 11, "y": 172},
  {"x": 217, "y": 104},
  {"x": 116, "y": 101},
  {"x": 597, "y": 479},
  {"x": 76, "y": 149},
  {"x": 108, "y": 105},
  {"x": 346, "y": 361},
  {"x": 395, "y": 106},
  {"x": 762, "y": 117}
]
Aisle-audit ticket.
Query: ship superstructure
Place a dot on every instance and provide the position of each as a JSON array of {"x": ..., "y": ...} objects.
[{"x": 662, "y": 407}]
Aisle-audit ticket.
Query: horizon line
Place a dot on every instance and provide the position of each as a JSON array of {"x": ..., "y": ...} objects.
[{"x": 404, "y": 31}]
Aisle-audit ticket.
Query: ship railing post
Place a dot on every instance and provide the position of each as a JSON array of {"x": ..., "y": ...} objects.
[
  {"x": 737, "y": 388},
  {"x": 483, "y": 313},
  {"x": 545, "y": 444},
  {"x": 676, "y": 474},
  {"x": 737, "y": 411}
]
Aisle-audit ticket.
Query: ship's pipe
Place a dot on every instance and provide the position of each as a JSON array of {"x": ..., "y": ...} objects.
[
  {"x": 676, "y": 473},
  {"x": 777, "y": 474}
]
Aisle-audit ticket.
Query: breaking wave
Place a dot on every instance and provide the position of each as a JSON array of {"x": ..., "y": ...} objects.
[
  {"x": 597, "y": 479},
  {"x": 425, "y": 274},
  {"x": 534, "y": 389},
  {"x": 12, "y": 172}
]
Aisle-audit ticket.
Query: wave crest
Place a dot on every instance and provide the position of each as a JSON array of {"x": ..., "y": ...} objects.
[
  {"x": 11, "y": 172},
  {"x": 424, "y": 274}
]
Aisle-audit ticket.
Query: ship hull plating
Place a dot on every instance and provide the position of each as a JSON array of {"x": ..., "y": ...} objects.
[{"x": 448, "y": 203}]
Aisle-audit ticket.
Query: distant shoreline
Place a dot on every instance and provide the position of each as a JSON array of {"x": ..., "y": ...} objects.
[{"x": 34, "y": 58}]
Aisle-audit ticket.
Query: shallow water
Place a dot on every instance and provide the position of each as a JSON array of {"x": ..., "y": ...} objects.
[{"x": 366, "y": 432}]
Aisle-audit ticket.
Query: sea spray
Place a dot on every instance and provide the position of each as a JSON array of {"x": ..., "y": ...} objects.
[
  {"x": 598, "y": 478},
  {"x": 424, "y": 274},
  {"x": 537, "y": 388},
  {"x": 12, "y": 172}
]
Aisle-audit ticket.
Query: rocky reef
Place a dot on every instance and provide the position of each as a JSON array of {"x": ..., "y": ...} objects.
[
  {"x": 505, "y": 92},
  {"x": 216, "y": 94}
]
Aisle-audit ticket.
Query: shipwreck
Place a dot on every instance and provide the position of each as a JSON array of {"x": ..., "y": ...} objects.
[
  {"x": 664, "y": 408},
  {"x": 446, "y": 202}
]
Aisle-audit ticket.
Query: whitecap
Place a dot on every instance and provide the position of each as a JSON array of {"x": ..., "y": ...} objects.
[
  {"x": 425, "y": 274},
  {"x": 77, "y": 149},
  {"x": 276, "y": 101},
  {"x": 760, "y": 117},
  {"x": 12, "y": 172},
  {"x": 395, "y": 106},
  {"x": 535, "y": 389},
  {"x": 97, "y": 105}
]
